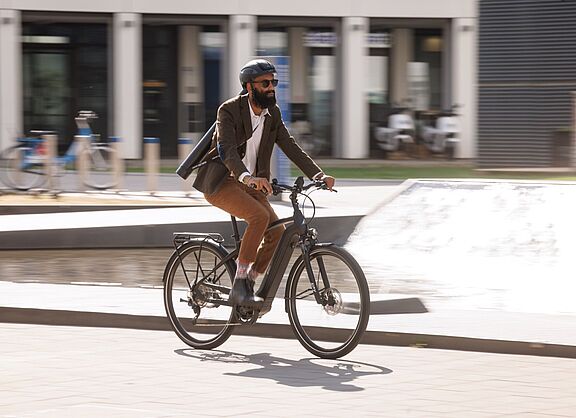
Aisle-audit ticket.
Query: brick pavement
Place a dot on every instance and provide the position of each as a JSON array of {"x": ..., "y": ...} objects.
[{"x": 95, "y": 372}]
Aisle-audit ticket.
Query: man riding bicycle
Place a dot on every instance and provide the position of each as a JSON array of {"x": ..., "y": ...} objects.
[{"x": 247, "y": 127}]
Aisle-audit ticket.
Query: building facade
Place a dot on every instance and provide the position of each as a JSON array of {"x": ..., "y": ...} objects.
[
  {"x": 161, "y": 69},
  {"x": 527, "y": 80}
]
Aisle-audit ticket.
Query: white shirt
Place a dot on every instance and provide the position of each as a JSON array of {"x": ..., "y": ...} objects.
[{"x": 253, "y": 143}]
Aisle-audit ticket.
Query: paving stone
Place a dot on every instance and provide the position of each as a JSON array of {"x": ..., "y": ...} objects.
[{"x": 141, "y": 373}]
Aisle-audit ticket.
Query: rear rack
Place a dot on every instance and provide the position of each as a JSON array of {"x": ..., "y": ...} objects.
[{"x": 182, "y": 237}]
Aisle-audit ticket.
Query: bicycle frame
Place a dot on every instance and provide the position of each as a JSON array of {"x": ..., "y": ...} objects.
[
  {"x": 33, "y": 157},
  {"x": 296, "y": 231}
]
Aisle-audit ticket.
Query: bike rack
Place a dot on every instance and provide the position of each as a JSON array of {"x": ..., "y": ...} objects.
[{"x": 180, "y": 238}]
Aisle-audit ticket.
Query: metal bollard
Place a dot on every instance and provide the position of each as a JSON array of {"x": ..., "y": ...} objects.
[
  {"x": 152, "y": 162},
  {"x": 83, "y": 145},
  {"x": 117, "y": 162},
  {"x": 185, "y": 145},
  {"x": 51, "y": 143}
]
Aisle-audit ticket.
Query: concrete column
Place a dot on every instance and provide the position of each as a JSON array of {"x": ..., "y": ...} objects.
[
  {"x": 128, "y": 83},
  {"x": 241, "y": 46},
  {"x": 299, "y": 66},
  {"x": 465, "y": 82},
  {"x": 191, "y": 75},
  {"x": 401, "y": 53},
  {"x": 446, "y": 66},
  {"x": 10, "y": 77},
  {"x": 355, "y": 117}
]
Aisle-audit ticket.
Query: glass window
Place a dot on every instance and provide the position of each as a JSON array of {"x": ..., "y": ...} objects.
[
  {"x": 428, "y": 55},
  {"x": 321, "y": 46},
  {"x": 65, "y": 70},
  {"x": 312, "y": 72},
  {"x": 182, "y": 69},
  {"x": 378, "y": 82},
  {"x": 213, "y": 42},
  {"x": 272, "y": 43}
]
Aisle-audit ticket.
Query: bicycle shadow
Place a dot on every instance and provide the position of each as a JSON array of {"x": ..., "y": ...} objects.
[{"x": 333, "y": 375}]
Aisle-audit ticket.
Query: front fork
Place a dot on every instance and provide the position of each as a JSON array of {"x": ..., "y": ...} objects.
[{"x": 307, "y": 245}]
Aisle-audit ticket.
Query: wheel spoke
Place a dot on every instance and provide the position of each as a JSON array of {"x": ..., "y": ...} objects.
[
  {"x": 203, "y": 321},
  {"x": 307, "y": 293},
  {"x": 333, "y": 330}
]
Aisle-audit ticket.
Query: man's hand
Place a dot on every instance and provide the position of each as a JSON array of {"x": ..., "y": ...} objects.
[
  {"x": 259, "y": 183},
  {"x": 329, "y": 180}
]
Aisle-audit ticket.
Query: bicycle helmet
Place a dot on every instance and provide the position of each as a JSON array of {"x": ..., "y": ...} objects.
[{"x": 255, "y": 68}]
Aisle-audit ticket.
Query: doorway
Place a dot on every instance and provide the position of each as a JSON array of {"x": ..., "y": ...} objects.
[{"x": 47, "y": 99}]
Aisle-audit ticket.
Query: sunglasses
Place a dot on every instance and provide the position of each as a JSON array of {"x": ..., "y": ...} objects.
[{"x": 266, "y": 83}]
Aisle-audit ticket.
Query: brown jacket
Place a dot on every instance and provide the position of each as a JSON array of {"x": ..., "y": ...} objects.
[{"x": 233, "y": 127}]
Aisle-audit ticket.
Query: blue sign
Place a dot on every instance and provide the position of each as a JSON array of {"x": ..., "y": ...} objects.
[{"x": 282, "y": 65}]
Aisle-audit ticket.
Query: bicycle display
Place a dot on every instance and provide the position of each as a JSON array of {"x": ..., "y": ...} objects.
[{"x": 326, "y": 295}]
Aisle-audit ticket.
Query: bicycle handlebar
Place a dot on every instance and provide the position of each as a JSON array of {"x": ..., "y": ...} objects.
[{"x": 298, "y": 186}]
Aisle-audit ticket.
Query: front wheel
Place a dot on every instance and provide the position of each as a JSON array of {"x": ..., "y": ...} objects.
[
  {"x": 332, "y": 326},
  {"x": 195, "y": 280}
]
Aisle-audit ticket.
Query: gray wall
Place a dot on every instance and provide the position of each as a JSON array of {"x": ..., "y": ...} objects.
[{"x": 527, "y": 71}]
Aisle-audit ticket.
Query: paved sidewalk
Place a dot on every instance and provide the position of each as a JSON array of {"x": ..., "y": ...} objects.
[
  {"x": 463, "y": 328},
  {"x": 395, "y": 319},
  {"x": 55, "y": 372}
]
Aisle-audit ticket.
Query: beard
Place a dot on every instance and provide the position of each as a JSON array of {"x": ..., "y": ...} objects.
[{"x": 264, "y": 100}]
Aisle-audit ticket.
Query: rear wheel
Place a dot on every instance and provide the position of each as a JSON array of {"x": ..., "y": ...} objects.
[
  {"x": 192, "y": 290},
  {"x": 22, "y": 167},
  {"x": 333, "y": 327}
]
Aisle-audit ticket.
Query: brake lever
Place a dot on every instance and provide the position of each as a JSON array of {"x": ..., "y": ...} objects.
[{"x": 324, "y": 186}]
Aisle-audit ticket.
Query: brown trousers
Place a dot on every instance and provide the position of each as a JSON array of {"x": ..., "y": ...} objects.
[{"x": 243, "y": 202}]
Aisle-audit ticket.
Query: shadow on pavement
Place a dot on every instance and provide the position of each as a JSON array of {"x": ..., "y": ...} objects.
[{"x": 333, "y": 375}]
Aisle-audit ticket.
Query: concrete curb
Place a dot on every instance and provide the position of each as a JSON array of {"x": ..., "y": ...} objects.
[
  {"x": 156, "y": 323},
  {"x": 334, "y": 229}
]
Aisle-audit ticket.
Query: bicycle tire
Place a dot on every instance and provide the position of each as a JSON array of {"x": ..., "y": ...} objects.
[
  {"x": 198, "y": 257},
  {"x": 13, "y": 172},
  {"x": 334, "y": 329},
  {"x": 100, "y": 175}
]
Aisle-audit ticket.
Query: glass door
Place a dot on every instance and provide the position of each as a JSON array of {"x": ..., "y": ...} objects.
[
  {"x": 47, "y": 92},
  {"x": 322, "y": 74}
]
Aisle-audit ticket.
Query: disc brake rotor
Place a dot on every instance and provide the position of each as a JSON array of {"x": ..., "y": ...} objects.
[{"x": 333, "y": 299}]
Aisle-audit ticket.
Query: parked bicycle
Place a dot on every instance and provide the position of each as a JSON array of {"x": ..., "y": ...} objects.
[
  {"x": 326, "y": 296},
  {"x": 24, "y": 165}
]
